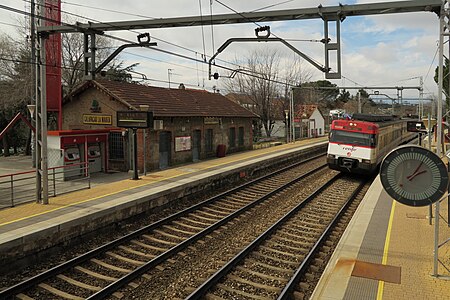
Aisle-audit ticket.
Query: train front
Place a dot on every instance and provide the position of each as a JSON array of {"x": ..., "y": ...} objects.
[{"x": 352, "y": 146}]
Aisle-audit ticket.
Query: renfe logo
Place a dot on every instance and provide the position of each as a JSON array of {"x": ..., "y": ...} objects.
[{"x": 351, "y": 149}]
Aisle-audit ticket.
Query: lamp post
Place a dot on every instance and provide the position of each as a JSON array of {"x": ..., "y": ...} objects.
[
  {"x": 31, "y": 109},
  {"x": 286, "y": 115}
]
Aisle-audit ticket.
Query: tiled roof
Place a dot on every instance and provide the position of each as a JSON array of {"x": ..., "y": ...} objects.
[
  {"x": 304, "y": 111},
  {"x": 172, "y": 102}
]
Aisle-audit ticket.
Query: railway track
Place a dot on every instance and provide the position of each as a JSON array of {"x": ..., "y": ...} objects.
[
  {"x": 272, "y": 265},
  {"x": 104, "y": 270}
]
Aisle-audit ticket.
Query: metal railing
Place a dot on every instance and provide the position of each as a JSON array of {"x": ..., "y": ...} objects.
[{"x": 19, "y": 188}]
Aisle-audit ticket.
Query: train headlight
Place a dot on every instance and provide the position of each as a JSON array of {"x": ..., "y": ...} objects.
[
  {"x": 331, "y": 156},
  {"x": 366, "y": 161}
]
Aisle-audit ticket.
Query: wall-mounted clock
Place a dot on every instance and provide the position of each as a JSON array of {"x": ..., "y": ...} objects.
[{"x": 414, "y": 176}]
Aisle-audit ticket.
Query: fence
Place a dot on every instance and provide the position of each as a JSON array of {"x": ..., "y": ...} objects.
[{"x": 19, "y": 188}]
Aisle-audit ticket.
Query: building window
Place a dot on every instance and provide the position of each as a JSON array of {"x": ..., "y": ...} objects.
[
  {"x": 209, "y": 140},
  {"x": 232, "y": 138},
  {"x": 241, "y": 137},
  {"x": 116, "y": 146}
]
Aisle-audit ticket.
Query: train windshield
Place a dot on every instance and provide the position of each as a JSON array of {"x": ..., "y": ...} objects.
[{"x": 353, "y": 138}]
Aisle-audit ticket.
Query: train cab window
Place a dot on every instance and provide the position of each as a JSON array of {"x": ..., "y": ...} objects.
[{"x": 353, "y": 138}]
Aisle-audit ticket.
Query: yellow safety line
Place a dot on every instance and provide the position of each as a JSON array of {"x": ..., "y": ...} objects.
[
  {"x": 385, "y": 251},
  {"x": 87, "y": 200},
  {"x": 130, "y": 188}
]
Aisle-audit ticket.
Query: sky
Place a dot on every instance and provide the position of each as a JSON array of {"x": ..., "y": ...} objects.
[{"x": 384, "y": 50}]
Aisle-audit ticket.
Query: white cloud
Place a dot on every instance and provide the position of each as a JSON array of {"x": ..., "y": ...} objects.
[{"x": 376, "y": 49}]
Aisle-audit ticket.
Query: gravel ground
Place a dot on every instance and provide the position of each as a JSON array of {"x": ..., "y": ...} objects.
[
  {"x": 123, "y": 228},
  {"x": 187, "y": 271}
]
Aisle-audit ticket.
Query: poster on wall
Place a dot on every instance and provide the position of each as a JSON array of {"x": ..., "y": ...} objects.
[{"x": 182, "y": 143}]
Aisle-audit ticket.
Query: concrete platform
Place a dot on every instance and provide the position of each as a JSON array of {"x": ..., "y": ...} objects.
[
  {"x": 31, "y": 228},
  {"x": 387, "y": 253}
]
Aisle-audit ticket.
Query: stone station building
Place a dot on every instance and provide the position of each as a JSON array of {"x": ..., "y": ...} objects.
[{"x": 188, "y": 125}]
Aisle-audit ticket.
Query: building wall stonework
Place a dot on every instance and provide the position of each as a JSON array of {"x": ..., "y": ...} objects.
[
  {"x": 94, "y": 102},
  {"x": 185, "y": 127}
]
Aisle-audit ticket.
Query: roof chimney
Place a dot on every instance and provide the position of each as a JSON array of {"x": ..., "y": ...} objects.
[{"x": 181, "y": 86}]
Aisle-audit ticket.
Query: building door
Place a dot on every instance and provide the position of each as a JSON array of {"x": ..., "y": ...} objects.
[
  {"x": 165, "y": 149},
  {"x": 196, "y": 145}
]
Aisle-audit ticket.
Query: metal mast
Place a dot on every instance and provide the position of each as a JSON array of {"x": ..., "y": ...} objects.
[{"x": 41, "y": 113}]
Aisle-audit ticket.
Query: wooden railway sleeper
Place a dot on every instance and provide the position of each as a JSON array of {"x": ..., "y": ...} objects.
[
  {"x": 204, "y": 225},
  {"x": 254, "y": 284},
  {"x": 259, "y": 255},
  {"x": 280, "y": 245},
  {"x": 275, "y": 251},
  {"x": 137, "y": 253},
  {"x": 259, "y": 274},
  {"x": 156, "y": 240},
  {"x": 182, "y": 224},
  {"x": 267, "y": 266},
  {"x": 58, "y": 292},
  {"x": 188, "y": 233},
  {"x": 211, "y": 220},
  {"x": 298, "y": 239},
  {"x": 169, "y": 235},
  {"x": 79, "y": 283},
  {"x": 225, "y": 206},
  {"x": 134, "y": 262},
  {"x": 220, "y": 212},
  {"x": 95, "y": 274},
  {"x": 150, "y": 247},
  {"x": 109, "y": 266}
]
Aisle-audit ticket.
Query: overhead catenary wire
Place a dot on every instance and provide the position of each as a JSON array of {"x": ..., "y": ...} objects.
[
  {"x": 105, "y": 23},
  {"x": 13, "y": 25},
  {"x": 245, "y": 72},
  {"x": 111, "y": 36},
  {"x": 212, "y": 25},
  {"x": 106, "y": 9},
  {"x": 136, "y": 32},
  {"x": 272, "y": 5},
  {"x": 203, "y": 32},
  {"x": 243, "y": 16}
]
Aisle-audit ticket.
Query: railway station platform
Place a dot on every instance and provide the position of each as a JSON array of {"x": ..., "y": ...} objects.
[
  {"x": 30, "y": 228},
  {"x": 387, "y": 252}
]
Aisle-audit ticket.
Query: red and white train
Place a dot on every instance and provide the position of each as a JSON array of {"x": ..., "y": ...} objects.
[{"x": 359, "y": 145}]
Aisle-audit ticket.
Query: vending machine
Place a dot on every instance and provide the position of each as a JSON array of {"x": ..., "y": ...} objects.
[
  {"x": 94, "y": 156},
  {"x": 72, "y": 159}
]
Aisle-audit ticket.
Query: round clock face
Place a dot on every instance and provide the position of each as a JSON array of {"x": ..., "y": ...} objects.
[{"x": 414, "y": 175}]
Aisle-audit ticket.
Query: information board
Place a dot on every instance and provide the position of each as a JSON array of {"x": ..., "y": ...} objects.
[
  {"x": 134, "y": 119},
  {"x": 182, "y": 143}
]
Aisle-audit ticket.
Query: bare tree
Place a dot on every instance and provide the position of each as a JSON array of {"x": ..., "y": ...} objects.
[
  {"x": 265, "y": 80},
  {"x": 73, "y": 57},
  {"x": 16, "y": 86}
]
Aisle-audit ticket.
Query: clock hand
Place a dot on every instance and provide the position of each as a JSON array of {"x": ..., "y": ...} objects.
[
  {"x": 415, "y": 171},
  {"x": 414, "y": 175}
]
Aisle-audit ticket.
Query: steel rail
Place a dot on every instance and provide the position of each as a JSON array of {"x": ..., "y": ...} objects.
[
  {"x": 108, "y": 290},
  {"x": 33, "y": 281},
  {"x": 200, "y": 292},
  {"x": 286, "y": 293}
]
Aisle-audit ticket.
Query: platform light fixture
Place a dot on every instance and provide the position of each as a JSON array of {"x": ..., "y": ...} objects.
[
  {"x": 31, "y": 109},
  {"x": 286, "y": 115}
]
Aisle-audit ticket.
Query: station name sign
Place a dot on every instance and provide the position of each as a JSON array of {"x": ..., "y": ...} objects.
[
  {"x": 97, "y": 119},
  {"x": 134, "y": 119}
]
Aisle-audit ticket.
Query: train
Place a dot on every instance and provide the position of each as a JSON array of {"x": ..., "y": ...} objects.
[{"x": 358, "y": 145}]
